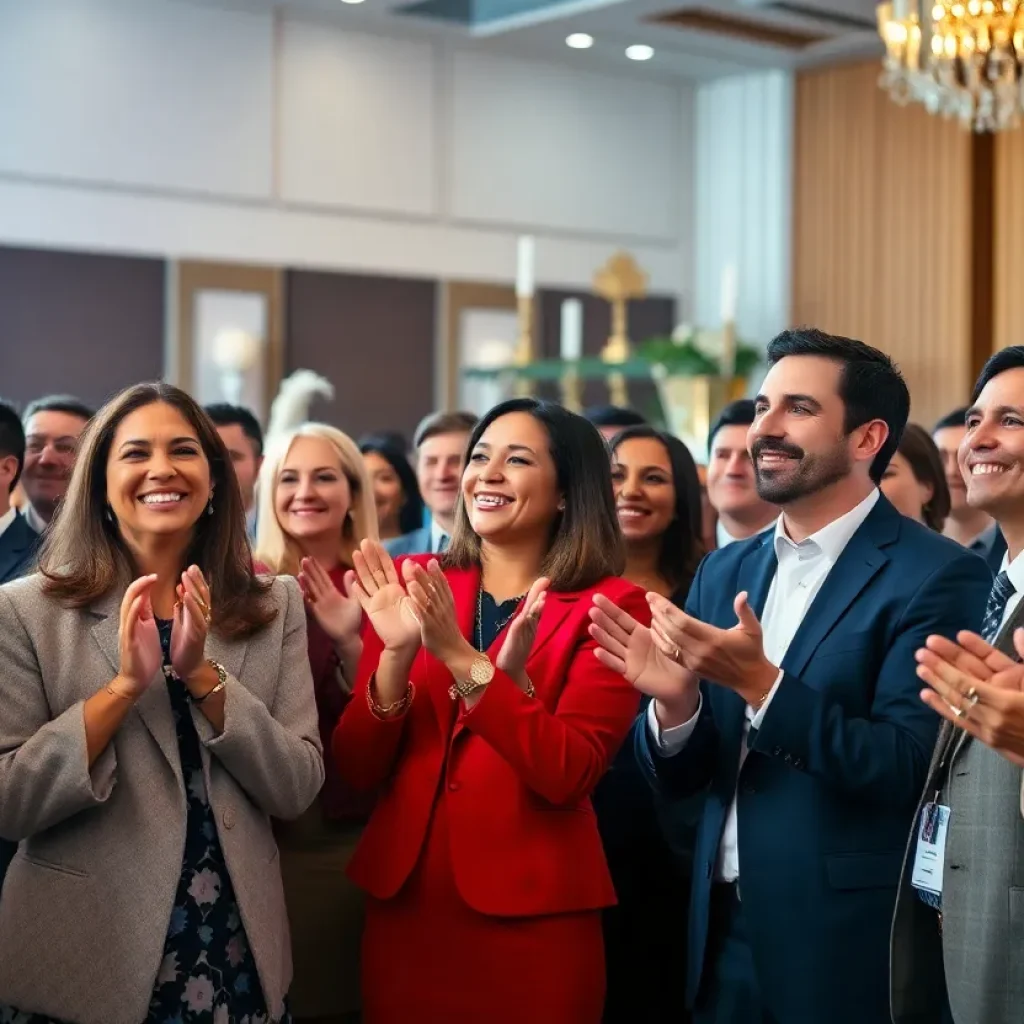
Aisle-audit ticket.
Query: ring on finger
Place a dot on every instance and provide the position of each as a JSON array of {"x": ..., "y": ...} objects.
[{"x": 972, "y": 696}]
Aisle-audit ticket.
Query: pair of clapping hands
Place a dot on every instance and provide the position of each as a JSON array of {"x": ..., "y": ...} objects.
[
  {"x": 977, "y": 688},
  {"x": 416, "y": 609}
]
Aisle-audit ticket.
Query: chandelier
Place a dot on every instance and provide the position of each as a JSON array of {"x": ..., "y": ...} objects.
[{"x": 963, "y": 60}]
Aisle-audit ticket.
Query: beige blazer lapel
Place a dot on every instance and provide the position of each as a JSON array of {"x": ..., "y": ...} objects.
[{"x": 154, "y": 706}]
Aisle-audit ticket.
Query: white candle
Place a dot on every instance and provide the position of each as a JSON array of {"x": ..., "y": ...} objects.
[
  {"x": 572, "y": 329},
  {"x": 524, "y": 267},
  {"x": 728, "y": 308}
]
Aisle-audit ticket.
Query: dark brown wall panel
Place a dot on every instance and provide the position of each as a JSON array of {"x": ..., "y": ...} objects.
[
  {"x": 372, "y": 338},
  {"x": 82, "y": 323},
  {"x": 650, "y": 317}
]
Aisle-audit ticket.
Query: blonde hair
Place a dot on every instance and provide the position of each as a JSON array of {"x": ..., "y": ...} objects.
[{"x": 275, "y": 548}]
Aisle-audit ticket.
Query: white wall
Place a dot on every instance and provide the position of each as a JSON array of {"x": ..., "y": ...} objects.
[
  {"x": 744, "y": 142},
  {"x": 186, "y": 131}
]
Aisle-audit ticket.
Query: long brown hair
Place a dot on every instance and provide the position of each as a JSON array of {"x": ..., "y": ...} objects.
[
  {"x": 586, "y": 542},
  {"x": 84, "y": 556},
  {"x": 918, "y": 448}
]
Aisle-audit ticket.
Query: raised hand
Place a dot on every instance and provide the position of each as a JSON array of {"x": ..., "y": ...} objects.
[
  {"x": 339, "y": 615},
  {"x": 192, "y": 617},
  {"x": 627, "y": 647},
  {"x": 978, "y": 689},
  {"x": 515, "y": 651},
  {"x": 138, "y": 640},
  {"x": 435, "y": 608},
  {"x": 733, "y": 658},
  {"x": 381, "y": 595}
]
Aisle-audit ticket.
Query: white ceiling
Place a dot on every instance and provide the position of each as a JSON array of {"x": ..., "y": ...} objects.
[{"x": 615, "y": 24}]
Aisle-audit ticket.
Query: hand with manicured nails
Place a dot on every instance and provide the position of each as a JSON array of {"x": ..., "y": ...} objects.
[
  {"x": 138, "y": 640},
  {"x": 381, "y": 595},
  {"x": 192, "y": 617}
]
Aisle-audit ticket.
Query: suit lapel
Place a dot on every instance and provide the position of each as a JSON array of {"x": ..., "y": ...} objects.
[
  {"x": 15, "y": 543},
  {"x": 154, "y": 706},
  {"x": 859, "y": 563}
]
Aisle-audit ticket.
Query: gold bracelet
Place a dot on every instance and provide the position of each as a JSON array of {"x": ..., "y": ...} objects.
[
  {"x": 397, "y": 707},
  {"x": 117, "y": 693}
]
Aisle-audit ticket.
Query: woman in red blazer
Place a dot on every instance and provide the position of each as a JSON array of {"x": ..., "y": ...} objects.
[{"x": 485, "y": 719}]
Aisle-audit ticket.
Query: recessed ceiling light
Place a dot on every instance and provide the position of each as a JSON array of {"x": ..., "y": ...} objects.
[
  {"x": 351, "y": 1},
  {"x": 579, "y": 41},
  {"x": 641, "y": 51}
]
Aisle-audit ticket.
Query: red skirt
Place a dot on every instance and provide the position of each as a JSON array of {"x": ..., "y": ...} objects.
[{"x": 429, "y": 958}]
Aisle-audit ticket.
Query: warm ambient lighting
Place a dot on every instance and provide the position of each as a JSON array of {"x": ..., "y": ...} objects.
[
  {"x": 640, "y": 52},
  {"x": 959, "y": 59},
  {"x": 579, "y": 41}
]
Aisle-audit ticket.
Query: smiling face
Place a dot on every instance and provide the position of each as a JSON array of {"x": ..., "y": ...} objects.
[
  {"x": 313, "y": 495},
  {"x": 992, "y": 452},
  {"x": 388, "y": 494},
  {"x": 948, "y": 441},
  {"x": 797, "y": 439},
  {"x": 439, "y": 469},
  {"x": 51, "y": 440},
  {"x": 645, "y": 493},
  {"x": 510, "y": 486},
  {"x": 242, "y": 452},
  {"x": 908, "y": 494},
  {"x": 158, "y": 476}
]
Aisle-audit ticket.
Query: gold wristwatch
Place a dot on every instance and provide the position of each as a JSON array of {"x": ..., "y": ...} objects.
[{"x": 480, "y": 674}]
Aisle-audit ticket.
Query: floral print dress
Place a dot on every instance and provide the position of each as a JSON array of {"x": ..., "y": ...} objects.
[{"x": 208, "y": 974}]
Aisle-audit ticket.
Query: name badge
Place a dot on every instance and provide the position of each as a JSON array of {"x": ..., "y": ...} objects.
[{"x": 931, "y": 848}]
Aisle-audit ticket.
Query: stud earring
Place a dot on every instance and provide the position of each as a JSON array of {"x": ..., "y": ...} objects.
[
  {"x": 209, "y": 506},
  {"x": 109, "y": 513}
]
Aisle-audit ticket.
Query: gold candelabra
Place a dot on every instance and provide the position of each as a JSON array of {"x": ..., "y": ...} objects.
[{"x": 618, "y": 281}]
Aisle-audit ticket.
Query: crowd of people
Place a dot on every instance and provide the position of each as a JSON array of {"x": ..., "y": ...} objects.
[{"x": 534, "y": 720}]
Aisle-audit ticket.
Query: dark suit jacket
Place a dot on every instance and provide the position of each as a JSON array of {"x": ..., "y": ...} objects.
[
  {"x": 828, "y": 790},
  {"x": 415, "y": 543},
  {"x": 18, "y": 545}
]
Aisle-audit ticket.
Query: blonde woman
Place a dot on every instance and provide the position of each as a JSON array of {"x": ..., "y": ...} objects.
[{"x": 316, "y": 506}]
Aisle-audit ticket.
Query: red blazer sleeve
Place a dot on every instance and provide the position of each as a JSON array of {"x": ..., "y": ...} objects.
[
  {"x": 562, "y": 756},
  {"x": 365, "y": 746}
]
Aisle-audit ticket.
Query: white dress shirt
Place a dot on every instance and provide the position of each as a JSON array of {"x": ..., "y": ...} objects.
[
  {"x": 437, "y": 535},
  {"x": 33, "y": 518},
  {"x": 801, "y": 571},
  {"x": 6, "y": 519}
]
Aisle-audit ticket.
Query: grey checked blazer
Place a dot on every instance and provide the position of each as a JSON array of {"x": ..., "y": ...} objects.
[
  {"x": 981, "y": 947},
  {"x": 87, "y": 901}
]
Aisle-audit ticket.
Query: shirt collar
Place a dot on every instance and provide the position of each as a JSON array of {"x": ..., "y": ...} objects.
[
  {"x": 1015, "y": 570},
  {"x": 830, "y": 540},
  {"x": 6, "y": 519},
  {"x": 723, "y": 537},
  {"x": 33, "y": 518},
  {"x": 436, "y": 534}
]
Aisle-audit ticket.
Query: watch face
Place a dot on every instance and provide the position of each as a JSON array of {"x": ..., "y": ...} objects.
[{"x": 482, "y": 672}]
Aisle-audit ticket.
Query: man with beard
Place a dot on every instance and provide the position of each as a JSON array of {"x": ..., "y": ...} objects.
[
  {"x": 786, "y": 693},
  {"x": 52, "y": 428}
]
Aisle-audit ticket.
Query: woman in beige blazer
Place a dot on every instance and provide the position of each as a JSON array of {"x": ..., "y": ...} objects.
[{"x": 157, "y": 711}]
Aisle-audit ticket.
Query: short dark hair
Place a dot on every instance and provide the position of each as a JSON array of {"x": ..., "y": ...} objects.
[
  {"x": 614, "y": 416},
  {"x": 224, "y": 414},
  {"x": 393, "y": 438},
  {"x": 682, "y": 546},
  {"x": 438, "y": 423},
  {"x": 411, "y": 516},
  {"x": 67, "y": 404},
  {"x": 918, "y": 448},
  {"x": 740, "y": 413},
  {"x": 12, "y": 438},
  {"x": 1011, "y": 358},
  {"x": 870, "y": 385},
  {"x": 956, "y": 418},
  {"x": 586, "y": 542}
]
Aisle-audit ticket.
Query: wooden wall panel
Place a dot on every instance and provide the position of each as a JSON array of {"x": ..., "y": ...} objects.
[
  {"x": 1009, "y": 238},
  {"x": 372, "y": 338},
  {"x": 83, "y": 323},
  {"x": 883, "y": 230}
]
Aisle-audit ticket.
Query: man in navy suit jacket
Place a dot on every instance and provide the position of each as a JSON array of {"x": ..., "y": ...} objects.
[
  {"x": 786, "y": 693},
  {"x": 18, "y": 541}
]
